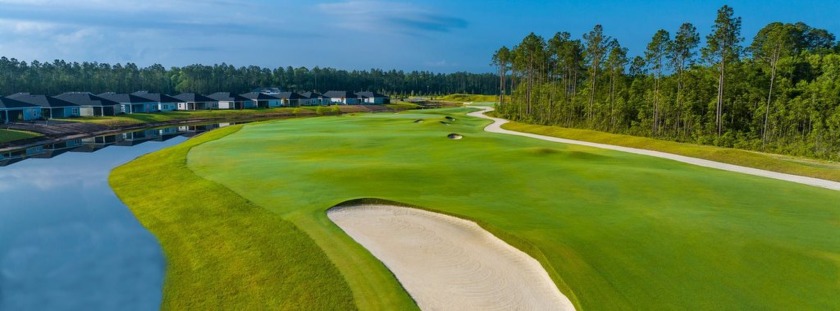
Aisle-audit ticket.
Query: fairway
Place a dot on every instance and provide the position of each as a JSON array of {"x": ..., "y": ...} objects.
[{"x": 613, "y": 230}]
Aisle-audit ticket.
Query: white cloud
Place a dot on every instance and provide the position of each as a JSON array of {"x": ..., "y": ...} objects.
[{"x": 389, "y": 17}]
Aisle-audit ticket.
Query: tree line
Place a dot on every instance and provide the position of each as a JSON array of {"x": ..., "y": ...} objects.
[
  {"x": 778, "y": 93},
  {"x": 59, "y": 76}
]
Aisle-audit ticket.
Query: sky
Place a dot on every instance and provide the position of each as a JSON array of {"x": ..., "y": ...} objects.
[{"x": 434, "y": 35}]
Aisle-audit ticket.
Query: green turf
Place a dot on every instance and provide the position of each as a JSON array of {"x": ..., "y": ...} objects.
[
  {"x": 223, "y": 252},
  {"x": 766, "y": 161},
  {"x": 614, "y": 230},
  {"x": 12, "y": 135}
]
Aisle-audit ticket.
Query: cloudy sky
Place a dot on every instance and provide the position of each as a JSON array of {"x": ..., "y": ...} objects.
[{"x": 436, "y": 35}]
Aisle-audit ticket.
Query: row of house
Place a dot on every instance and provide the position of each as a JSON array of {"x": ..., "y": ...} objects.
[{"x": 28, "y": 107}]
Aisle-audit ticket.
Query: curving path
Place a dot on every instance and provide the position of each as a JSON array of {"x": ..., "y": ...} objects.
[
  {"x": 447, "y": 263},
  {"x": 496, "y": 127}
]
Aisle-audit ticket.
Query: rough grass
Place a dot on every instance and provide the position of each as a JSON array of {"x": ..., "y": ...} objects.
[
  {"x": 614, "y": 230},
  {"x": 469, "y": 98},
  {"x": 139, "y": 118},
  {"x": 223, "y": 252},
  {"x": 12, "y": 135},
  {"x": 771, "y": 162}
]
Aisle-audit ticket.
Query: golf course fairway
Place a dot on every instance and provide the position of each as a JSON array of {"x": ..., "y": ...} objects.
[{"x": 241, "y": 215}]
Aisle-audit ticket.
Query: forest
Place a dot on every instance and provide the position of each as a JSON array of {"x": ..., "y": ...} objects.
[
  {"x": 52, "y": 78},
  {"x": 778, "y": 92}
]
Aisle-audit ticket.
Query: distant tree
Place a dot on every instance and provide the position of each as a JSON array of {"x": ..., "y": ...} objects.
[
  {"x": 774, "y": 41},
  {"x": 655, "y": 55},
  {"x": 596, "y": 49},
  {"x": 501, "y": 59},
  {"x": 681, "y": 54},
  {"x": 722, "y": 47}
]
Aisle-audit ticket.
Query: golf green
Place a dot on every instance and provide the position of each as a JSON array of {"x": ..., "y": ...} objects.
[{"x": 614, "y": 230}]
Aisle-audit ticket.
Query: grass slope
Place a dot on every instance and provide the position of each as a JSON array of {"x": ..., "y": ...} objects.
[
  {"x": 12, "y": 135},
  {"x": 223, "y": 252},
  {"x": 765, "y": 161},
  {"x": 614, "y": 230}
]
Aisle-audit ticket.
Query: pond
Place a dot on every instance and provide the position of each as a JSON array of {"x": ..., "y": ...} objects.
[{"x": 66, "y": 241}]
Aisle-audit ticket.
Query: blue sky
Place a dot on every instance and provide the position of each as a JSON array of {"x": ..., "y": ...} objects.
[{"x": 436, "y": 35}]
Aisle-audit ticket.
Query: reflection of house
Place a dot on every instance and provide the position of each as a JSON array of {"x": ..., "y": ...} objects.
[
  {"x": 290, "y": 99},
  {"x": 313, "y": 99},
  {"x": 162, "y": 102},
  {"x": 91, "y": 105},
  {"x": 51, "y": 107},
  {"x": 131, "y": 103},
  {"x": 228, "y": 100},
  {"x": 263, "y": 100},
  {"x": 343, "y": 97},
  {"x": 193, "y": 101},
  {"x": 373, "y": 98},
  {"x": 13, "y": 110}
]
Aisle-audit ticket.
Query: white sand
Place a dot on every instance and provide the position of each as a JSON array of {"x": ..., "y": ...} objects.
[
  {"x": 496, "y": 127},
  {"x": 447, "y": 263}
]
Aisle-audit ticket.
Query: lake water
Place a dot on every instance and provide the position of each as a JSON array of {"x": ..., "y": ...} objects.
[{"x": 66, "y": 241}]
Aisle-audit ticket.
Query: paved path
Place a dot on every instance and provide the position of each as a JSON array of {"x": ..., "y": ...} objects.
[{"x": 496, "y": 127}]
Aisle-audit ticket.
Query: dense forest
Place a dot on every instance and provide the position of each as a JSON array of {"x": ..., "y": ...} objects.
[
  {"x": 778, "y": 93},
  {"x": 60, "y": 76}
]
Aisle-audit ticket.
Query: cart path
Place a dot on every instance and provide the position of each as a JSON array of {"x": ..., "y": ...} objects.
[{"x": 496, "y": 127}]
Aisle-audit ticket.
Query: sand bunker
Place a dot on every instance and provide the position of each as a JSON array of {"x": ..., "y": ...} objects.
[
  {"x": 447, "y": 263},
  {"x": 454, "y": 136},
  {"x": 418, "y": 121},
  {"x": 450, "y": 118}
]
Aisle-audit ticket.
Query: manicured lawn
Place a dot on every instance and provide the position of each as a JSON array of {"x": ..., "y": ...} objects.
[
  {"x": 12, "y": 135},
  {"x": 766, "y": 161},
  {"x": 614, "y": 230}
]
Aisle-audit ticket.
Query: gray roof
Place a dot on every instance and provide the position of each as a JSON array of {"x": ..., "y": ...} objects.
[
  {"x": 312, "y": 95},
  {"x": 156, "y": 97},
  {"x": 86, "y": 99},
  {"x": 340, "y": 94},
  {"x": 227, "y": 96},
  {"x": 41, "y": 100},
  {"x": 193, "y": 98},
  {"x": 8, "y": 103},
  {"x": 370, "y": 94},
  {"x": 267, "y": 90},
  {"x": 257, "y": 96},
  {"x": 288, "y": 95},
  {"x": 124, "y": 98}
]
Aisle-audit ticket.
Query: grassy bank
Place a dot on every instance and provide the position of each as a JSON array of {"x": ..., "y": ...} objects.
[
  {"x": 614, "y": 230},
  {"x": 771, "y": 162},
  {"x": 223, "y": 252},
  {"x": 12, "y": 135}
]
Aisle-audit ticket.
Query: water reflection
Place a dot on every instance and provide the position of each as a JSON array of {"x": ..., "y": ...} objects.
[{"x": 66, "y": 241}]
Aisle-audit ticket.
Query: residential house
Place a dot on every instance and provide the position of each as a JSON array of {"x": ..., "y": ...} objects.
[
  {"x": 313, "y": 99},
  {"x": 131, "y": 103},
  {"x": 14, "y": 110},
  {"x": 51, "y": 107},
  {"x": 263, "y": 100},
  {"x": 267, "y": 90},
  {"x": 91, "y": 105},
  {"x": 163, "y": 102},
  {"x": 291, "y": 99},
  {"x": 194, "y": 101},
  {"x": 343, "y": 97},
  {"x": 373, "y": 98},
  {"x": 228, "y": 100}
]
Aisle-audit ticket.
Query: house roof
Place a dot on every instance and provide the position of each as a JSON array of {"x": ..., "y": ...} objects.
[
  {"x": 86, "y": 99},
  {"x": 156, "y": 97},
  {"x": 41, "y": 100},
  {"x": 257, "y": 96},
  {"x": 267, "y": 90},
  {"x": 227, "y": 96},
  {"x": 124, "y": 98},
  {"x": 193, "y": 97},
  {"x": 370, "y": 94},
  {"x": 288, "y": 95},
  {"x": 312, "y": 95},
  {"x": 8, "y": 103},
  {"x": 340, "y": 94}
]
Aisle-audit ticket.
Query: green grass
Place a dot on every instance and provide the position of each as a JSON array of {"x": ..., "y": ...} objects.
[
  {"x": 140, "y": 118},
  {"x": 766, "y": 161},
  {"x": 12, "y": 135},
  {"x": 614, "y": 230},
  {"x": 223, "y": 252},
  {"x": 400, "y": 106},
  {"x": 469, "y": 98}
]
